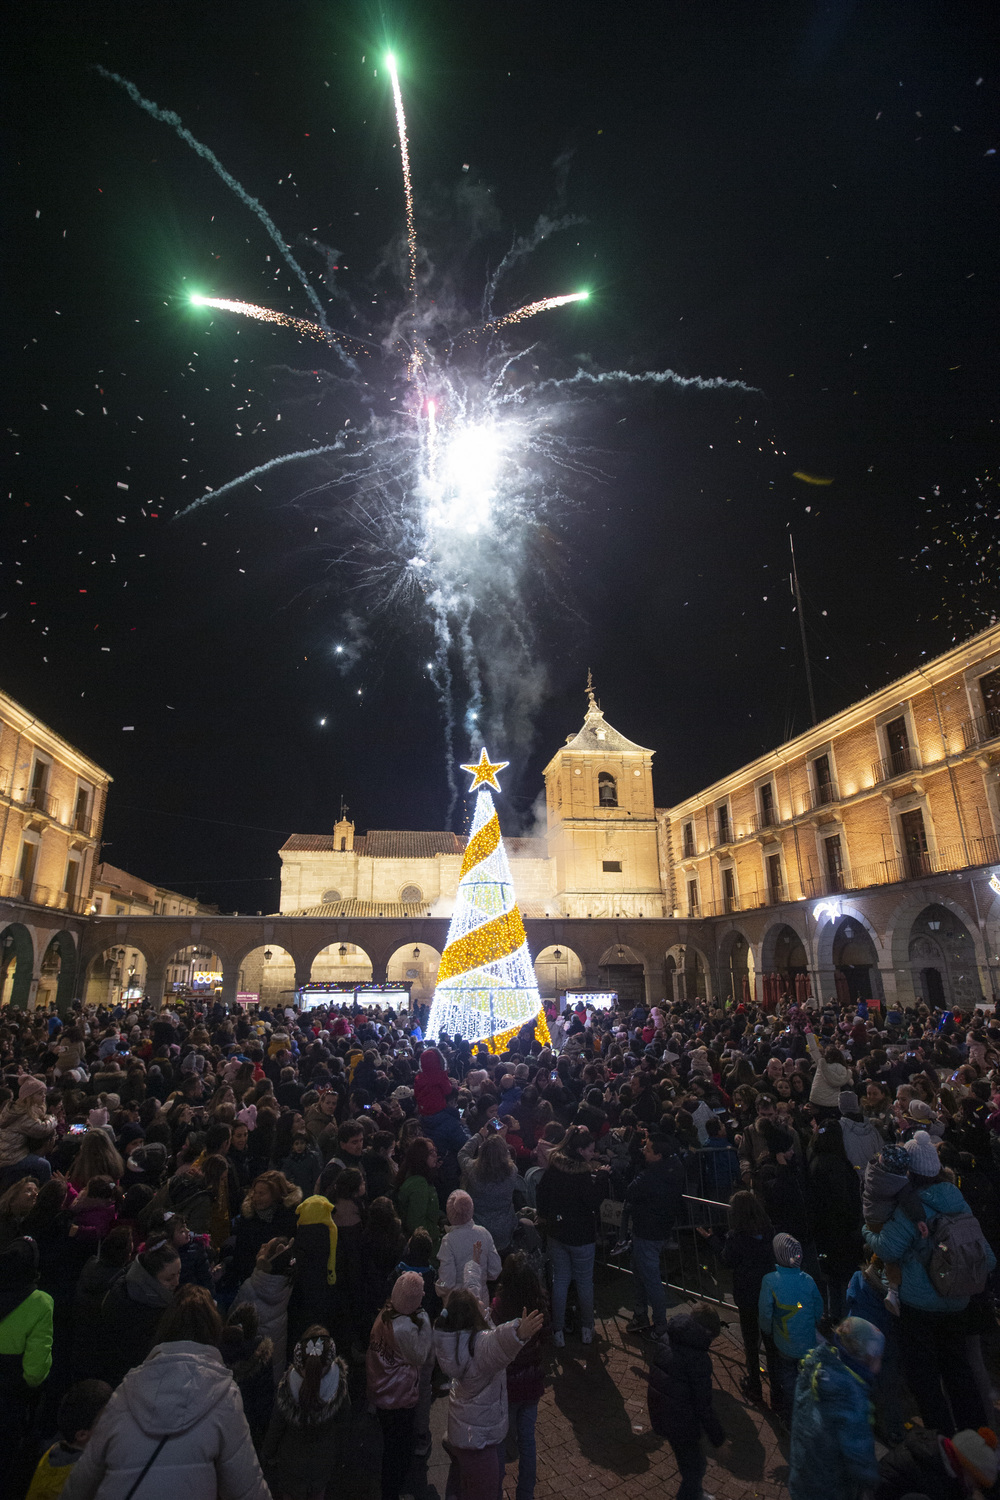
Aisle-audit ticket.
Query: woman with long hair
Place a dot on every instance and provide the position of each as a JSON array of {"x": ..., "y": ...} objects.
[
  {"x": 474, "y": 1355},
  {"x": 489, "y": 1176},
  {"x": 310, "y": 1425},
  {"x": 15, "y": 1206},
  {"x": 568, "y": 1195},
  {"x": 416, "y": 1196},
  {"x": 400, "y": 1344},
  {"x": 519, "y": 1288},
  {"x": 131, "y": 1311}
]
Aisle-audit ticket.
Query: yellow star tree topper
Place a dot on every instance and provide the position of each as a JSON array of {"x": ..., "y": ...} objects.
[
  {"x": 484, "y": 772},
  {"x": 486, "y": 988}
]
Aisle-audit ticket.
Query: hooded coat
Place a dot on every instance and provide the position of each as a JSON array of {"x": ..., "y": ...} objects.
[
  {"x": 130, "y": 1315},
  {"x": 833, "y": 1446},
  {"x": 680, "y": 1384},
  {"x": 22, "y": 1130},
  {"x": 431, "y": 1087},
  {"x": 862, "y": 1140},
  {"x": 900, "y": 1240},
  {"x": 476, "y": 1364},
  {"x": 182, "y": 1392}
]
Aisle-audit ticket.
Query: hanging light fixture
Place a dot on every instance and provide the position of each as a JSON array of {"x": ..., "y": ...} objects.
[
  {"x": 416, "y": 953},
  {"x": 557, "y": 954},
  {"x": 342, "y": 950},
  {"x": 268, "y": 955}
]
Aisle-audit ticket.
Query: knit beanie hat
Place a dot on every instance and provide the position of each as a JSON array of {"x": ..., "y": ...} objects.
[
  {"x": 787, "y": 1250},
  {"x": 976, "y": 1452},
  {"x": 31, "y": 1088},
  {"x": 923, "y": 1157},
  {"x": 408, "y": 1292},
  {"x": 849, "y": 1103},
  {"x": 860, "y": 1339},
  {"x": 894, "y": 1159},
  {"x": 919, "y": 1110}
]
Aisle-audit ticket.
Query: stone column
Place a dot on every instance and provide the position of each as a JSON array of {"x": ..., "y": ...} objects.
[{"x": 154, "y": 984}]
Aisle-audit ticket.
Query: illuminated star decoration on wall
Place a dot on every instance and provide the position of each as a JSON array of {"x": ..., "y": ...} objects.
[{"x": 484, "y": 773}]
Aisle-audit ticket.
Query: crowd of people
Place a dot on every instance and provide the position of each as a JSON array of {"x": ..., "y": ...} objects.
[{"x": 243, "y": 1253}]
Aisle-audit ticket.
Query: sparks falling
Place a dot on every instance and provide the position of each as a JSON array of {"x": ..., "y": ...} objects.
[{"x": 451, "y": 482}]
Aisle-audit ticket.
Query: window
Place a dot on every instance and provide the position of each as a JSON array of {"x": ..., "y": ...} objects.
[
  {"x": 81, "y": 815},
  {"x": 26, "y": 868},
  {"x": 766, "y": 795},
  {"x": 607, "y": 790},
  {"x": 331, "y": 896},
  {"x": 729, "y": 890},
  {"x": 343, "y": 843},
  {"x": 898, "y": 745},
  {"x": 775, "y": 882},
  {"x": 825, "y": 789},
  {"x": 722, "y": 822},
  {"x": 911, "y": 826},
  {"x": 72, "y": 882},
  {"x": 612, "y": 867},
  {"x": 989, "y": 687},
  {"x": 98, "y": 904},
  {"x": 834, "y": 852},
  {"x": 39, "y": 782},
  {"x": 688, "y": 840},
  {"x": 119, "y": 911},
  {"x": 411, "y": 895},
  {"x": 692, "y": 898}
]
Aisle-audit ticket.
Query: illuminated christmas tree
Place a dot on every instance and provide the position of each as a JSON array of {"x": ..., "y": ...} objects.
[{"x": 486, "y": 989}]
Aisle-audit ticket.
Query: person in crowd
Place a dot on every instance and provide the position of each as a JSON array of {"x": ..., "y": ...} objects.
[
  {"x": 15, "y": 1206},
  {"x": 788, "y": 1310},
  {"x": 78, "y": 1411},
  {"x": 832, "y": 1453},
  {"x": 831, "y": 1078},
  {"x": 474, "y": 1355},
  {"x": 489, "y": 1176},
  {"x": 747, "y": 1251},
  {"x": 303, "y": 1164},
  {"x": 176, "y": 1420},
  {"x": 416, "y": 1196},
  {"x": 268, "y": 1211},
  {"x": 249, "y": 1354},
  {"x": 400, "y": 1344},
  {"x": 680, "y": 1393},
  {"x": 932, "y": 1326},
  {"x": 27, "y": 1131},
  {"x": 833, "y": 1195},
  {"x": 940, "y": 1468},
  {"x": 131, "y": 1312},
  {"x": 25, "y": 1352},
  {"x": 866, "y": 1298},
  {"x": 654, "y": 1198},
  {"x": 309, "y": 1428},
  {"x": 861, "y": 1136},
  {"x": 268, "y": 1289},
  {"x": 517, "y": 1289},
  {"x": 568, "y": 1195},
  {"x": 456, "y": 1246}
]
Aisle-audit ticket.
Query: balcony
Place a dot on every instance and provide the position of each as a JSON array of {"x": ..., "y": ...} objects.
[
  {"x": 761, "y": 822},
  {"x": 38, "y": 801},
  {"x": 978, "y": 731},
  {"x": 41, "y": 895},
  {"x": 899, "y": 763},
  {"x": 85, "y": 826},
  {"x": 823, "y": 795}
]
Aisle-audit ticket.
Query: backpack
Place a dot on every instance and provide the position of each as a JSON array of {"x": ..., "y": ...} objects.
[{"x": 958, "y": 1264}]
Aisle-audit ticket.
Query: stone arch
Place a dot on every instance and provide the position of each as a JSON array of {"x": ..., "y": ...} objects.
[
  {"x": 17, "y": 965},
  {"x": 113, "y": 970},
  {"x": 691, "y": 972},
  {"x": 271, "y": 979},
  {"x": 962, "y": 987},
  {"x": 623, "y": 969},
  {"x": 342, "y": 963},
  {"x": 736, "y": 966},
  {"x": 416, "y": 963},
  {"x": 188, "y": 960},
  {"x": 411, "y": 895},
  {"x": 770, "y": 946},
  {"x": 784, "y": 960},
  {"x": 854, "y": 953},
  {"x": 558, "y": 968},
  {"x": 59, "y": 963},
  {"x": 607, "y": 789}
]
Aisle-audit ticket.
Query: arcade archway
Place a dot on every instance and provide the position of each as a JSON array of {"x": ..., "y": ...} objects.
[
  {"x": 17, "y": 957},
  {"x": 855, "y": 962},
  {"x": 557, "y": 969},
  {"x": 942, "y": 960},
  {"x": 58, "y": 973},
  {"x": 415, "y": 964},
  {"x": 118, "y": 974},
  {"x": 269, "y": 973}
]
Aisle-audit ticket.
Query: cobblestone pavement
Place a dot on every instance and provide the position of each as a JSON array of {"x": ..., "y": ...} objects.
[{"x": 593, "y": 1430}]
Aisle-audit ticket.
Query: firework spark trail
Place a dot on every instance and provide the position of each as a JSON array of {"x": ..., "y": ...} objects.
[
  {"x": 168, "y": 117},
  {"x": 523, "y": 246},
  {"x": 285, "y": 320},
  {"x": 442, "y": 680},
  {"x": 431, "y": 440},
  {"x": 532, "y": 309},
  {"x": 404, "y": 157},
  {"x": 273, "y": 463},
  {"x": 648, "y": 377}
]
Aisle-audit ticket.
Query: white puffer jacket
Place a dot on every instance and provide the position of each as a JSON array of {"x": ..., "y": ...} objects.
[
  {"x": 476, "y": 1364},
  {"x": 181, "y": 1391},
  {"x": 270, "y": 1294}
]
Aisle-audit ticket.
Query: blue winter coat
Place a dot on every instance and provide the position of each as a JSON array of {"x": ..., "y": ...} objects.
[
  {"x": 833, "y": 1448},
  {"x": 900, "y": 1240},
  {"x": 789, "y": 1308}
]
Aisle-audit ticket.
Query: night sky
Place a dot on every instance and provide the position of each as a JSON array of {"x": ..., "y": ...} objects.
[{"x": 801, "y": 196}]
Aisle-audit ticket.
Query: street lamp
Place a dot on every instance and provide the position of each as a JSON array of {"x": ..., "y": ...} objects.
[
  {"x": 342, "y": 950},
  {"x": 416, "y": 953}
]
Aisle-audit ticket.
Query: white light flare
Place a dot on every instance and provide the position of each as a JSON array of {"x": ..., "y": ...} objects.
[
  {"x": 404, "y": 158},
  {"x": 461, "y": 501}
]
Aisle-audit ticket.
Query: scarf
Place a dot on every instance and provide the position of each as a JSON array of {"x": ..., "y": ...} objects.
[{"x": 319, "y": 1210}]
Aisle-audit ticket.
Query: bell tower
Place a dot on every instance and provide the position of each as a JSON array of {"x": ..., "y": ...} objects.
[{"x": 602, "y": 821}]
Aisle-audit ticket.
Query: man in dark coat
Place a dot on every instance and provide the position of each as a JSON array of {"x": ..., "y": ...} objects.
[
  {"x": 680, "y": 1394},
  {"x": 654, "y": 1198}
]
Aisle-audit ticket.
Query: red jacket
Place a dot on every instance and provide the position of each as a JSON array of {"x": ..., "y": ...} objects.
[{"x": 432, "y": 1086}]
